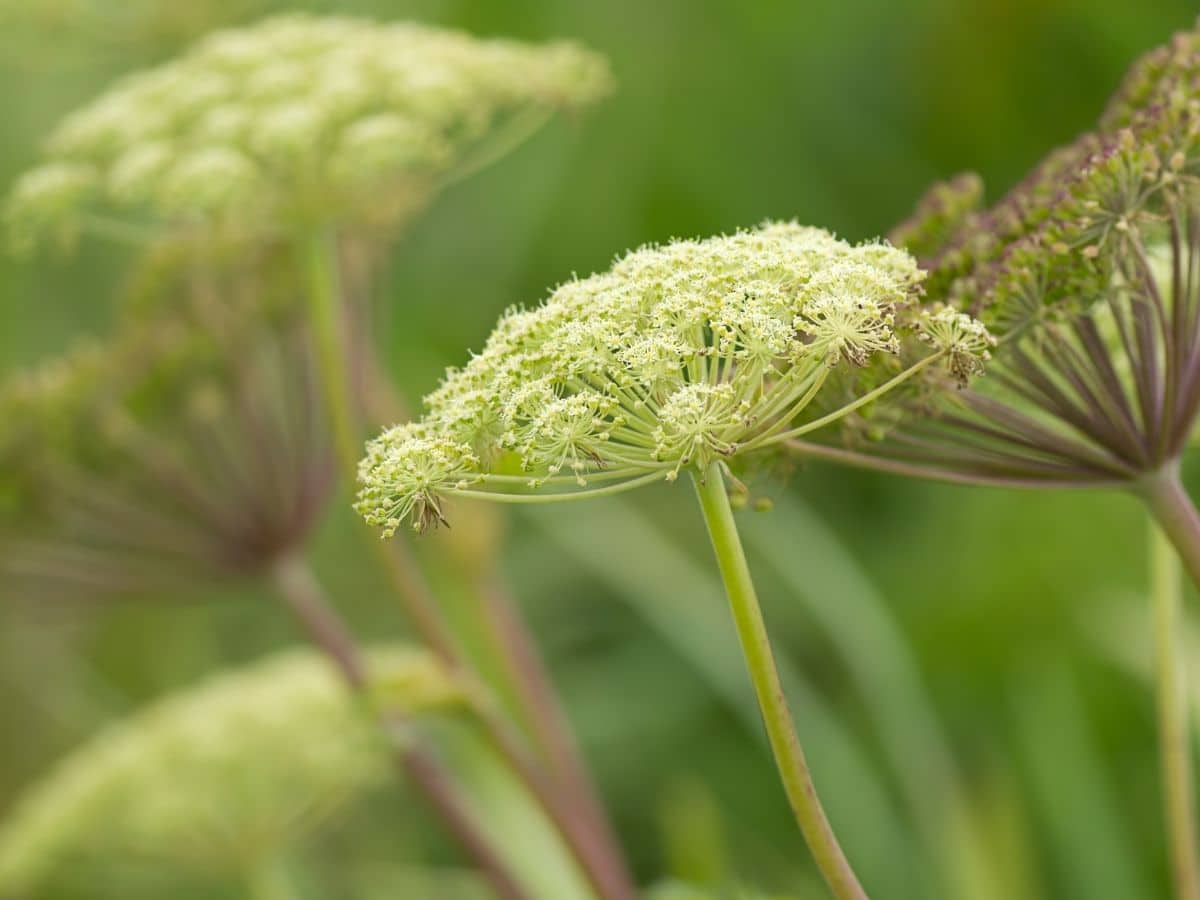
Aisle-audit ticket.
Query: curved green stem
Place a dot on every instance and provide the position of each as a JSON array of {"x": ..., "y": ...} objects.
[
  {"x": 329, "y": 344},
  {"x": 760, "y": 661},
  {"x": 536, "y": 499},
  {"x": 1173, "y": 726}
]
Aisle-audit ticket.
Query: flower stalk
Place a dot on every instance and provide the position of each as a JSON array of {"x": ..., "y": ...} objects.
[
  {"x": 1174, "y": 733},
  {"x": 302, "y": 594},
  {"x": 588, "y": 836},
  {"x": 760, "y": 663},
  {"x": 1173, "y": 510},
  {"x": 544, "y": 715}
]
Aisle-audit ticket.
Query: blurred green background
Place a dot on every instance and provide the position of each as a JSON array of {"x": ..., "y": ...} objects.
[{"x": 1008, "y": 605}]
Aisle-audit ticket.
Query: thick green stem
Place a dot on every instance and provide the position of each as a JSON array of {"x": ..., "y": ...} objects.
[
  {"x": 1170, "y": 678},
  {"x": 1175, "y": 513},
  {"x": 760, "y": 661}
]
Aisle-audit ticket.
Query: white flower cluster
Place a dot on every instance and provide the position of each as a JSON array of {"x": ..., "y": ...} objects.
[
  {"x": 246, "y": 763},
  {"x": 967, "y": 341},
  {"x": 678, "y": 355},
  {"x": 294, "y": 120}
]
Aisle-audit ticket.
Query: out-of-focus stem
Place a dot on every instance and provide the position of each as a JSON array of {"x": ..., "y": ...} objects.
[
  {"x": 760, "y": 662},
  {"x": 600, "y": 859},
  {"x": 547, "y": 722},
  {"x": 1175, "y": 513},
  {"x": 1173, "y": 721},
  {"x": 302, "y": 594},
  {"x": 1173, "y": 508},
  {"x": 329, "y": 344}
]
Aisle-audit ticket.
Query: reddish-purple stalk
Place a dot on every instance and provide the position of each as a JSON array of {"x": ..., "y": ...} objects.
[
  {"x": 302, "y": 594},
  {"x": 589, "y": 838}
]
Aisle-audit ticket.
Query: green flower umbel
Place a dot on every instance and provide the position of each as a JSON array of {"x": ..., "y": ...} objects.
[
  {"x": 295, "y": 121},
  {"x": 678, "y": 356}
]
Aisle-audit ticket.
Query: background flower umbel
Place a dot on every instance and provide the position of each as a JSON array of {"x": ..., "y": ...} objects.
[
  {"x": 295, "y": 120},
  {"x": 186, "y": 448},
  {"x": 218, "y": 778}
]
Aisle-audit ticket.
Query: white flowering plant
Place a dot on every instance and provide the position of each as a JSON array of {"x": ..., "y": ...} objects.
[{"x": 688, "y": 357}]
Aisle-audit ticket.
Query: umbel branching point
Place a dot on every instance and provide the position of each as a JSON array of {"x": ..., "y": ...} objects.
[{"x": 187, "y": 449}]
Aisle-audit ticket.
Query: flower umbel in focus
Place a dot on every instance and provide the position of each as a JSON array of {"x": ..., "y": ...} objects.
[
  {"x": 295, "y": 122},
  {"x": 678, "y": 356},
  {"x": 689, "y": 357}
]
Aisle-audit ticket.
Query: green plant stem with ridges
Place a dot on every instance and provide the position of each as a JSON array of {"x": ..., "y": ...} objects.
[
  {"x": 760, "y": 662},
  {"x": 589, "y": 841},
  {"x": 1175, "y": 540},
  {"x": 1173, "y": 725}
]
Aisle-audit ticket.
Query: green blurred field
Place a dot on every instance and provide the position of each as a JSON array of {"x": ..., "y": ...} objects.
[{"x": 727, "y": 113}]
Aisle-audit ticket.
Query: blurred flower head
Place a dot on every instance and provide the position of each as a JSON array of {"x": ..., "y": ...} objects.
[
  {"x": 677, "y": 356},
  {"x": 294, "y": 122},
  {"x": 186, "y": 448},
  {"x": 218, "y": 778},
  {"x": 1086, "y": 272}
]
